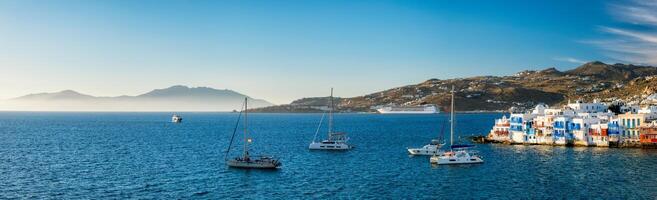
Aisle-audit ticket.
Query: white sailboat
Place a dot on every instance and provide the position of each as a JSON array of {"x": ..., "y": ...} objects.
[
  {"x": 335, "y": 140},
  {"x": 246, "y": 160},
  {"x": 459, "y": 153}
]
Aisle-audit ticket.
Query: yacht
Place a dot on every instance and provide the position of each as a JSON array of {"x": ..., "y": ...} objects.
[
  {"x": 430, "y": 149},
  {"x": 246, "y": 160},
  {"x": 335, "y": 140},
  {"x": 459, "y": 153},
  {"x": 176, "y": 118}
]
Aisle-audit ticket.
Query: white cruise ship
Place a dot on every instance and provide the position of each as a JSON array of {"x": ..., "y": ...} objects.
[{"x": 424, "y": 109}]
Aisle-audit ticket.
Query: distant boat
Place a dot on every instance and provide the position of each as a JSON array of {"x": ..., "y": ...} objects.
[
  {"x": 335, "y": 140},
  {"x": 246, "y": 160},
  {"x": 176, "y": 118},
  {"x": 424, "y": 109},
  {"x": 459, "y": 153}
]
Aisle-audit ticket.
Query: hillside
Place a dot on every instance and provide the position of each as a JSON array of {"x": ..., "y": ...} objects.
[
  {"x": 175, "y": 98},
  {"x": 525, "y": 89}
]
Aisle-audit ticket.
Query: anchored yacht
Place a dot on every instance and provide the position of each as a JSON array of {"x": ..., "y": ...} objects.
[
  {"x": 458, "y": 154},
  {"x": 430, "y": 149},
  {"x": 335, "y": 140},
  {"x": 246, "y": 160}
]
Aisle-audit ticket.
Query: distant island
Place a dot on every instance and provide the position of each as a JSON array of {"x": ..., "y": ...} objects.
[
  {"x": 631, "y": 84},
  {"x": 620, "y": 83},
  {"x": 175, "y": 98}
]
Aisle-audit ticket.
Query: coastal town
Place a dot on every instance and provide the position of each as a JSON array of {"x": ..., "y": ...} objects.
[{"x": 580, "y": 123}]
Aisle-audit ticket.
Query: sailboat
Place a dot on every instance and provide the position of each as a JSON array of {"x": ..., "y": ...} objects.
[
  {"x": 458, "y": 153},
  {"x": 246, "y": 160},
  {"x": 335, "y": 140},
  {"x": 430, "y": 149}
]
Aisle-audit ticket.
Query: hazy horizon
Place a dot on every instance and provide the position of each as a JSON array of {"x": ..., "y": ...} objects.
[{"x": 285, "y": 50}]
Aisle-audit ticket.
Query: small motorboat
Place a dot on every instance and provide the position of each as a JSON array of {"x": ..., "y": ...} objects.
[
  {"x": 176, "y": 118},
  {"x": 430, "y": 149}
]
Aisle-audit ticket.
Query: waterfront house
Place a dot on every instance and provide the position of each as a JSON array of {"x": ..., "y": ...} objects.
[
  {"x": 561, "y": 130},
  {"x": 580, "y": 130},
  {"x": 613, "y": 132},
  {"x": 630, "y": 123},
  {"x": 544, "y": 129},
  {"x": 599, "y": 135},
  {"x": 500, "y": 131},
  {"x": 517, "y": 125},
  {"x": 648, "y": 134}
]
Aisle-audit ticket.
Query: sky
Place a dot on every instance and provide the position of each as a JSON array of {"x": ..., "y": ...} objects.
[{"x": 285, "y": 50}]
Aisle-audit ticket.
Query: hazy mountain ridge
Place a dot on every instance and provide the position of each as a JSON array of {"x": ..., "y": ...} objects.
[
  {"x": 607, "y": 82},
  {"x": 175, "y": 98}
]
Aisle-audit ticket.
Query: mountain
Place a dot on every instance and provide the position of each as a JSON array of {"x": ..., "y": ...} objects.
[
  {"x": 175, "y": 98},
  {"x": 63, "y": 95},
  {"x": 523, "y": 90},
  {"x": 617, "y": 72}
]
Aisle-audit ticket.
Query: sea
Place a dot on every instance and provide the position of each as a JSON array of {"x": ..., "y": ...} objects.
[{"x": 123, "y": 155}]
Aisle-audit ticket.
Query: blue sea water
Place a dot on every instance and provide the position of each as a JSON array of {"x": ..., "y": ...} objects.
[{"x": 52, "y": 155}]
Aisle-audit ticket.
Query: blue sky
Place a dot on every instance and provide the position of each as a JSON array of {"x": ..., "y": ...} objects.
[{"x": 284, "y": 50}]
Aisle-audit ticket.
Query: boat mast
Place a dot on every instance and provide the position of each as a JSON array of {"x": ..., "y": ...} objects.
[
  {"x": 246, "y": 139},
  {"x": 330, "y": 125},
  {"x": 451, "y": 131}
]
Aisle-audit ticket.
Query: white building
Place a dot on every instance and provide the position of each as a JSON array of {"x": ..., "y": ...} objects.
[
  {"x": 581, "y": 107},
  {"x": 580, "y": 130},
  {"x": 650, "y": 112}
]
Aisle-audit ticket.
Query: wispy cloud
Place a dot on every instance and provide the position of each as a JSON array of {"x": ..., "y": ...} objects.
[
  {"x": 637, "y": 44},
  {"x": 569, "y": 59}
]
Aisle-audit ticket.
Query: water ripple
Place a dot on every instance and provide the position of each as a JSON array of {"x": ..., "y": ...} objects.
[{"x": 143, "y": 156}]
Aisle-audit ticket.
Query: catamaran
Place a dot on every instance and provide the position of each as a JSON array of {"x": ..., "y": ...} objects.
[
  {"x": 335, "y": 140},
  {"x": 430, "y": 149},
  {"x": 246, "y": 160},
  {"x": 459, "y": 153}
]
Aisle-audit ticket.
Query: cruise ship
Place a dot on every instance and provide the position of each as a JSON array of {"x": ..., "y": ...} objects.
[{"x": 424, "y": 109}]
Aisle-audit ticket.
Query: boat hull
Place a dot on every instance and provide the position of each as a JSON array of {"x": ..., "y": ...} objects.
[
  {"x": 329, "y": 147},
  {"x": 427, "y": 150},
  {"x": 440, "y": 160},
  {"x": 271, "y": 164},
  {"x": 423, "y": 152}
]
